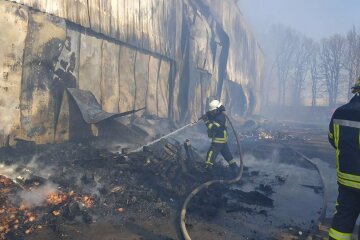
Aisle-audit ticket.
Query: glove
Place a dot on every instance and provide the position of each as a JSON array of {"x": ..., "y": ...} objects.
[
  {"x": 208, "y": 164},
  {"x": 221, "y": 108}
]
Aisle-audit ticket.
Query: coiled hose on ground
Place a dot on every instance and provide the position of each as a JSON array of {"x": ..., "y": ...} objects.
[
  {"x": 184, "y": 231},
  {"x": 320, "y": 220}
]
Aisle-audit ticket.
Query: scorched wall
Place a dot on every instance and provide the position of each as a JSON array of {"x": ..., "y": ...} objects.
[{"x": 168, "y": 56}]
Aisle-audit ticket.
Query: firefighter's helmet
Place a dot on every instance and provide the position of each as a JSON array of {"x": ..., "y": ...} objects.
[
  {"x": 214, "y": 104},
  {"x": 356, "y": 87}
]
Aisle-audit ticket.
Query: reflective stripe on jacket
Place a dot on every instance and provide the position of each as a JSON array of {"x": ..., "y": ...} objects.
[
  {"x": 339, "y": 235},
  {"x": 344, "y": 136},
  {"x": 216, "y": 125}
]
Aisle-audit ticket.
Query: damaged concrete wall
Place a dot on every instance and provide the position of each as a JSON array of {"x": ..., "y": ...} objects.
[
  {"x": 244, "y": 57},
  {"x": 167, "y": 56},
  {"x": 145, "y": 24}
]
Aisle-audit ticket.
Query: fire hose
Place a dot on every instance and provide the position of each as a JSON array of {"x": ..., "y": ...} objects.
[
  {"x": 184, "y": 231},
  {"x": 322, "y": 214},
  {"x": 183, "y": 228}
]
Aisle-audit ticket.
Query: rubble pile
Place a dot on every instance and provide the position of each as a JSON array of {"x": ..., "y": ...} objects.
[
  {"x": 80, "y": 184},
  {"x": 18, "y": 217}
]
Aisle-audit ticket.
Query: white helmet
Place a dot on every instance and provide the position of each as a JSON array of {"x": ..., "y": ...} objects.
[{"x": 214, "y": 104}]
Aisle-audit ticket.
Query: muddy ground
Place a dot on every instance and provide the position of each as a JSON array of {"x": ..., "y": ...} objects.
[{"x": 79, "y": 190}]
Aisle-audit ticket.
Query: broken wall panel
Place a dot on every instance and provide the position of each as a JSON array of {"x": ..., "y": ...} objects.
[
  {"x": 151, "y": 97},
  {"x": 63, "y": 121},
  {"x": 90, "y": 65},
  {"x": 127, "y": 79},
  {"x": 235, "y": 98},
  {"x": 12, "y": 50},
  {"x": 110, "y": 77},
  {"x": 66, "y": 72},
  {"x": 243, "y": 46},
  {"x": 46, "y": 34},
  {"x": 200, "y": 63},
  {"x": 73, "y": 38}
]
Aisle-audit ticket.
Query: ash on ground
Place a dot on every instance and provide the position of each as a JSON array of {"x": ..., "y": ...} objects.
[{"x": 78, "y": 190}]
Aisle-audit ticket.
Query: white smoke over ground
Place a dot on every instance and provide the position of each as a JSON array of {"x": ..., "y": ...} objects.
[
  {"x": 25, "y": 171},
  {"x": 8, "y": 171},
  {"x": 37, "y": 196},
  {"x": 19, "y": 173},
  {"x": 41, "y": 170}
]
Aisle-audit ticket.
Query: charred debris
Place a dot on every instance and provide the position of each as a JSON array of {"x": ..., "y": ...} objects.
[{"x": 44, "y": 187}]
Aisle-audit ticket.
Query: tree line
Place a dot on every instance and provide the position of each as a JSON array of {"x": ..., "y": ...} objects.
[{"x": 302, "y": 71}]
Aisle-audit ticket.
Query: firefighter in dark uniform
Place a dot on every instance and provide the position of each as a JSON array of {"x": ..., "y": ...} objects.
[
  {"x": 215, "y": 121},
  {"x": 344, "y": 136}
]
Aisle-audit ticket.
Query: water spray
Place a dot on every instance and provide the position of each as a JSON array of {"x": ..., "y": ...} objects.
[{"x": 166, "y": 136}]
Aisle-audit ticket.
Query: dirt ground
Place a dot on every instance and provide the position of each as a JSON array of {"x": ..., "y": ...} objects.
[{"x": 79, "y": 190}]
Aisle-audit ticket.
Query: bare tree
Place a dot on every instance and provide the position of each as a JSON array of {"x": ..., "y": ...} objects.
[
  {"x": 314, "y": 72},
  {"x": 332, "y": 61},
  {"x": 286, "y": 45},
  {"x": 352, "y": 62},
  {"x": 301, "y": 66}
]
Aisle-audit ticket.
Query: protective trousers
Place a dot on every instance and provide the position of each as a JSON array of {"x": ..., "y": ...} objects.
[
  {"x": 347, "y": 212},
  {"x": 217, "y": 148}
]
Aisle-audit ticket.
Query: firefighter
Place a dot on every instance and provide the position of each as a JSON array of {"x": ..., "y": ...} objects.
[
  {"x": 344, "y": 136},
  {"x": 215, "y": 121}
]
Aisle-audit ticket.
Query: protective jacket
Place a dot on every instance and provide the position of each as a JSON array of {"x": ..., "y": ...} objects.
[
  {"x": 344, "y": 136},
  {"x": 217, "y": 131},
  {"x": 216, "y": 124}
]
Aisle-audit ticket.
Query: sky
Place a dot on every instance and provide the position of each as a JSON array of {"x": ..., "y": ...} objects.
[{"x": 315, "y": 18}]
